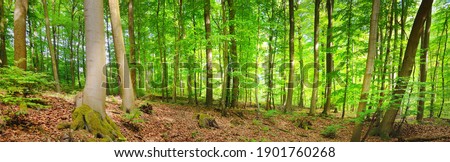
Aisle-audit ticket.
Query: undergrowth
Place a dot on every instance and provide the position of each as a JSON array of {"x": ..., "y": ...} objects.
[{"x": 17, "y": 85}]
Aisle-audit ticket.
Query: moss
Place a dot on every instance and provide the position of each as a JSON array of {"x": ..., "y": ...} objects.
[
  {"x": 304, "y": 123},
  {"x": 2, "y": 122},
  {"x": 206, "y": 121},
  {"x": 81, "y": 135},
  {"x": 103, "y": 128},
  {"x": 63, "y": 125}
]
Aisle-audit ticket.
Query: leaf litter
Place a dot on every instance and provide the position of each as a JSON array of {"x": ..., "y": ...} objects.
[{"x": 177, "y": 123}]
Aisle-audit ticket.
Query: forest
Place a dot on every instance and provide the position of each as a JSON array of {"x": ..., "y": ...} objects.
[{"x": 224, "y": 70}]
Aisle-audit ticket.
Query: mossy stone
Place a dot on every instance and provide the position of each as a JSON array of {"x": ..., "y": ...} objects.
[
  {"x": 206, "y": 121},
  {"x": 63, "y": 125}
]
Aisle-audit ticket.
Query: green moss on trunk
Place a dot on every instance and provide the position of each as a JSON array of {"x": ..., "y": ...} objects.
[{"x": 85, "y": 118}]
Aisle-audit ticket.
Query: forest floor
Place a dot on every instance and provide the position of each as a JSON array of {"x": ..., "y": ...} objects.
[{"x": 177, "y": 122}]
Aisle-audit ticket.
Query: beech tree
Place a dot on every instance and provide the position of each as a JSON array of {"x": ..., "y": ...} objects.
[
  {"x": 328, "y": 88},
  {"x": 234, "y": 55},
  {"x": 406, "y": 68},
  {"x": 20, "y": 48},
  {"x": 423, "y": 67},
  {"x": 132, "y": 41},
  {"x": 288, "y": 105},
  {"x": 316, "y": 59},
  {"x": 94, "y": 93},
  {"x": 126, "y": 84},
  {"x": 369, "y": 68},
  {"x": 209, "y": 90},
  {"x": 3, "y": 56},
  {"x": 50, "y": 48}
]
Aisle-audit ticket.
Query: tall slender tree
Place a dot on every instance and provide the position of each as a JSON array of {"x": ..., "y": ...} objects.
[
  {"x": 356, "y": 137},
  {"x": 209, "y": 90},
  {"x": 126, "y": 84},
  {"x": 406, "y": 68},
  {"x": 314, "y": 94},
  {"x": 329, "y": 79},
  {"x": 347, "y": 54},
  {"x": 225, "y": 77},
  {"x": 132, "y": 41},
  {"x": 269, "y": 71},
  {"x": 433, "y": 86},
  {"x": 178, "y": 50},
  {"x": 423, "y": 67},
  {"x": 442, "y": 66},
  {"x": 71, "y": 40},
  {"x": 234, "y": 55},
  {"x": 288, "y": 104},
  {"x": 20, "y": 48},
  {"x": 51, "y": 49},
  {"x": 3, "y": 56}
]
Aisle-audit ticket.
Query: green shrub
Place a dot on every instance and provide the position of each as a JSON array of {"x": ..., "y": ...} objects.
[
  {"x": 270, "y": 114},
  {"x": 19, "y": 82},
  {"x": 330, "y": 131},
  {"x": 134, "y": 116},
  {"x": 16, "y": 84},
  {"x": 265, "y": 128},
  {"x": 256, "y": 122}
]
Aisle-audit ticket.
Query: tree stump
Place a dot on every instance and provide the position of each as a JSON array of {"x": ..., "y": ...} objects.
[
  {"x": 146, "y": 108},
  {"x": 303, "y": 123}
]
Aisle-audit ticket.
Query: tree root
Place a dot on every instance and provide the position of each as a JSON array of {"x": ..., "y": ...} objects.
[{"x": 103, "y": 128}]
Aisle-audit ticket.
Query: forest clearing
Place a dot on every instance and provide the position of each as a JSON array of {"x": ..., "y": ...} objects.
[{"x": 224, "y": 70}]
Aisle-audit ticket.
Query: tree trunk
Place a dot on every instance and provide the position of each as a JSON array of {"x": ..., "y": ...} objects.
[
  {"x": 109, "y": 72},
  {"x": 126, "y": 84},
  {"x": 423, "y": 67},
  {"x": 288, "y": 105},
  {"x": 406, "y": 68},
  {"x": 209, "y": 90},
  {"x": 51, "y": 49},
  {"x": 190, "y": 71},
  {"x": 257, "y": 64},
  {"x": 403, "y": 18},
  {"x": 78, "y": 54},
  {"x": 269, "y": 71},
  {"x": 94, "y": 94},
  {"x": 20, "y": 47},
  {"x": 314, "y": 96},
  {"x": 347, "y": 54},
  {"x": 356, "y": 137},
  {"x": 178, "y": 50},
  {"x": 193, "y": 60},
  {"x": 433, "y": 86},
  {"x": 234, "y": 56},
  {"x": 225, "y": 76},
  {"x": 132, "y": 44},
  {"x": 442, "y": 66},
  {"x": 301, "y": 103},
  {"x": 379, "y": 111},
  {"x": 329, "y": 79},
  {"x": 31, "y": 45},
  {"x": 283, "y": 73},
  {"x": 162, "y": 50},
  {"x": 72, "y": 53},
  {"x": 3, "y": 57}
]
